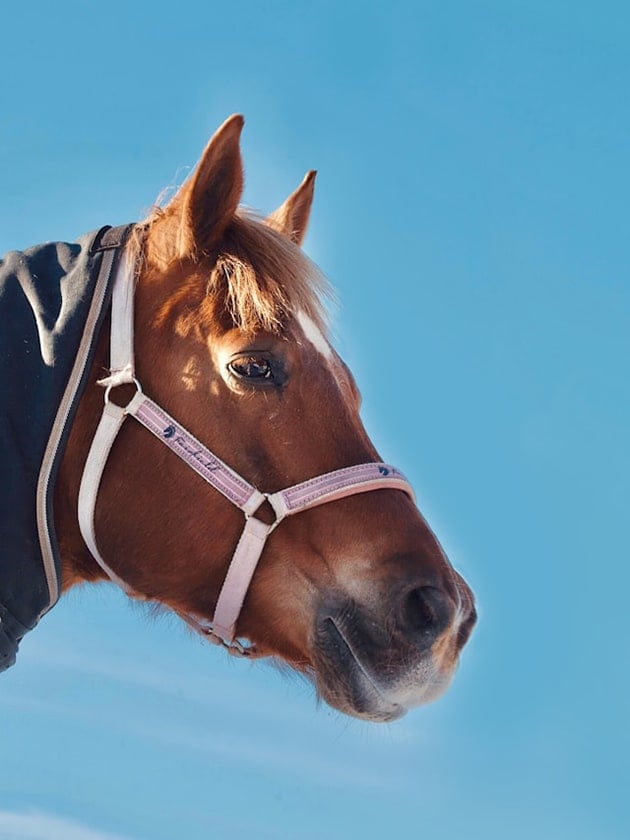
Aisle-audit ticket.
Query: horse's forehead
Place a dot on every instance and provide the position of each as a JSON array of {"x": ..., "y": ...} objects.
[{"x": 314, "y": 335}]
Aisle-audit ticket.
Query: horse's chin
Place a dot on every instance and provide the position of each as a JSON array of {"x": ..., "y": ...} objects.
[{"x": 346, "y": 682}]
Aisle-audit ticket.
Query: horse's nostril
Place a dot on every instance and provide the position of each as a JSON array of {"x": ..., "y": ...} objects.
[{"x": 426, "y": 610}]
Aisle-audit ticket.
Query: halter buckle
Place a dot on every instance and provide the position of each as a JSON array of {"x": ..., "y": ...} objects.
[{"x": 234, "y": 648}]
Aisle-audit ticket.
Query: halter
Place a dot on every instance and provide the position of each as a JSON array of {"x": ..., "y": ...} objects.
[{"x": 328, "y": 487}]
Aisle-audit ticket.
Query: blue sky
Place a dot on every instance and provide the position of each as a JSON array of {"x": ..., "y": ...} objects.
[{"x": 472, "y": 212}]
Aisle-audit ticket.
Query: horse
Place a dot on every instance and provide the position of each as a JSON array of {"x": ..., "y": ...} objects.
[{"x": 247, "y": 498}]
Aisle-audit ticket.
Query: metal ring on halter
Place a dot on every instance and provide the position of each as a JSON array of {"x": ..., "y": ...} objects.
[
  {"x": 234, "y": 647},
  {"x": 278, "y": 517},
  {"x": 134, "y": 381}
]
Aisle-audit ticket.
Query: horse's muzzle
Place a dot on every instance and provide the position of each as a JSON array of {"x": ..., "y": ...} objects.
[{"x": 378, "y": 660}]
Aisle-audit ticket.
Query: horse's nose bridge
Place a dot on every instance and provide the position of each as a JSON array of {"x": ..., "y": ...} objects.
[{"x": 374, "y": 545}]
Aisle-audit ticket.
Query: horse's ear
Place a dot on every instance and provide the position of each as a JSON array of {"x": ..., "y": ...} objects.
[
  {"x": 208, "y": 200},
  {"x": 291, "y": 218}
]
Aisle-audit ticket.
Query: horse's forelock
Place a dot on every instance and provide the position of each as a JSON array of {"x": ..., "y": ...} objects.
[
  {"x": 266, "y": 278},
  {"x": 260, "y": 276}
]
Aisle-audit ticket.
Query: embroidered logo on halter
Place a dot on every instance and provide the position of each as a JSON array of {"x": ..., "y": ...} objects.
[
  {"x": 385, "y": 471},
  {"x": 169, "y": 431}
]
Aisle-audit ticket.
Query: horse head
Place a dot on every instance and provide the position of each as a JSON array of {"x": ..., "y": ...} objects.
[{"x": 231, "y": 339}]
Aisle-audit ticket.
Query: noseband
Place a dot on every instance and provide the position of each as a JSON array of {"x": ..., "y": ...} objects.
[{"x": 328, "y": 487}]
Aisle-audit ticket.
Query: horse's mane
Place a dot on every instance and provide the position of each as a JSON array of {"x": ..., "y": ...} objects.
[{"x": 262, "y": 276}]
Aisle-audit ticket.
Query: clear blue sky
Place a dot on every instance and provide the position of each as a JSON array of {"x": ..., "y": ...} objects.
[{"x": 472, "y": 210}]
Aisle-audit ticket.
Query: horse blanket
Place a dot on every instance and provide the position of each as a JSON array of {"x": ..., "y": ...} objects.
[{"x": 53, "y": 299}]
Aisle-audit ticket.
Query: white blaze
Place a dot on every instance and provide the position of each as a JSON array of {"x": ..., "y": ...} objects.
[{"x": 314, "y": 335}]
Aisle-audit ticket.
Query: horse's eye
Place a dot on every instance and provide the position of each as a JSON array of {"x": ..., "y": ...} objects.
[{"x": 251, "y": 367}]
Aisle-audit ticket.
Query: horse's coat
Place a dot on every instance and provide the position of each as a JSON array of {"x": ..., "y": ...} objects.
[{"x": 53, "y": 298}]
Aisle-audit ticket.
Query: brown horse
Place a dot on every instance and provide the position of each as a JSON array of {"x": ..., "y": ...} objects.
[{"x": 230, "y": 339}]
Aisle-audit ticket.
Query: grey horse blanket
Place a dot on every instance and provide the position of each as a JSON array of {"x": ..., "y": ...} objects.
[{"x": 53, "y": 299}]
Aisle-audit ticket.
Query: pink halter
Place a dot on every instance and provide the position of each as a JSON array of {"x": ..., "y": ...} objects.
[{"x": 316, "y": 491}]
